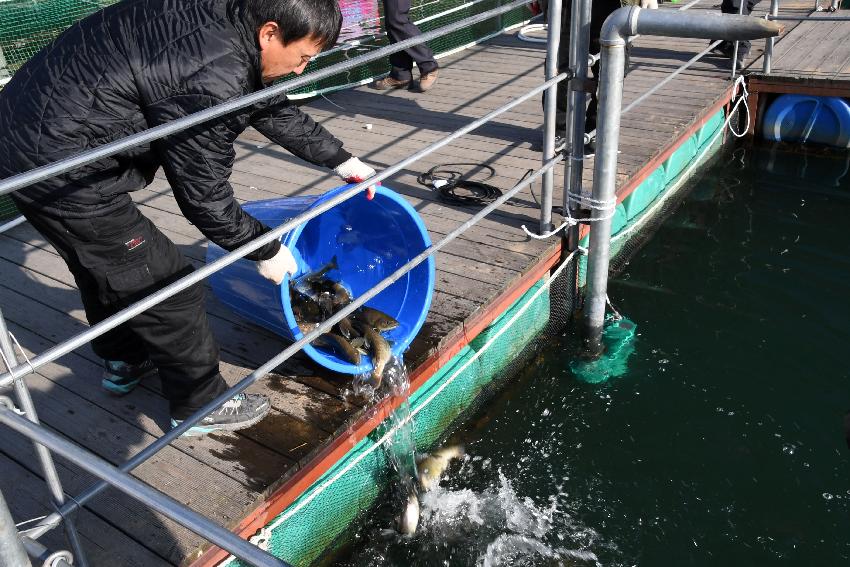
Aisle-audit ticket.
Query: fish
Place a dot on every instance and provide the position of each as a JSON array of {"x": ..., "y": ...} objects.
[
  {"x": 339, "y": 295},
  {"x": 408, "y": 520},
  {"x": 339, "y": 345},
  {"x": 303, "y": 282},
  {"x": 346, "y": 328},
  {"x": 432, "y": 467},
  {"x": 304, "y": 308},
  {"x": 376, "y": 319},
  {"x": 379, "y": 349}
]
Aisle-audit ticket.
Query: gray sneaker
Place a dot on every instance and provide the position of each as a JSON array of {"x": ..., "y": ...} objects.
[{"x": 241, "y": 411}]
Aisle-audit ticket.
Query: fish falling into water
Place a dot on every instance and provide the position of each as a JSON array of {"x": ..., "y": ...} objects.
[
  {"x": 432, "y": 467},
  {"x": 314, "y": 297},
  {"x": 408, "y": 520}
]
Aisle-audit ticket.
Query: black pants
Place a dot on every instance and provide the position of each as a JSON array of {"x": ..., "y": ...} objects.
[
  {"x": 730, "y": 7},
  {"x": 119, "y": 259},
  {"x": 599, "y": 11},
  {"x": 399, "y": 27}
]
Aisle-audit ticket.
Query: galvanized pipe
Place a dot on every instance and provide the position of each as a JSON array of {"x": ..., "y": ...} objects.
[
  {"x": 768, "y": 45},
  {"x": 113, "y": 321},
  {"x": 621, "y": 24},
  {"x": 735, "y": 50},
  {"x": 48, "y": 467},
  {"x": 51, "y": 521},
  {"x": 12, "y": 552},
  {"x": 40, "y": 173},
  {"x": 8, "y": 225},
  {"x": 553, "y": 40},
  {"x": 158, "y": 501},
  {"x": 576, "y": 110}
]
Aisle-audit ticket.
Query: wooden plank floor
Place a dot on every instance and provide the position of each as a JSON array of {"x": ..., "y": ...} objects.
[
  {"x": 226, "y": 476},
  {"x": 815, "y": 50}
]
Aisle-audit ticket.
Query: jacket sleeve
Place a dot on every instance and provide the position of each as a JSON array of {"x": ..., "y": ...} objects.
[
  {"x": 282, "y": 122},
  {"x": 198, "y": 163}
]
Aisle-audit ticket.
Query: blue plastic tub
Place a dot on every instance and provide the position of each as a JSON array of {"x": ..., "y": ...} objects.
[{"x": 370, "y": 239}]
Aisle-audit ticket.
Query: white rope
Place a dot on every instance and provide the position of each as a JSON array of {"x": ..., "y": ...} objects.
[
  {"x": 23, "y": 353},
  {"x": 608, "y": 206},
  {"x": 391, "y": 432},
  {"x": 531, "y": 28},
  {"x": 25, "y": 522},
  {"x": 739, "y": 82}
]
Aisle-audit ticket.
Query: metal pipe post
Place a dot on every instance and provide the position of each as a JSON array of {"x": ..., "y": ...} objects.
[
  {"x": 576, "y": 109},
  {"x": 768, "y": 43},
  {"x": 12, "y": 550},
  {"x": 735, "y": 50},
  {"x": 162, "y": 503},
  {"x": 604, "y": 181},
  {"x": 553, "y": 41},
  {"x": 621, "y": 24},
  {"x": 48, "y": 467}
]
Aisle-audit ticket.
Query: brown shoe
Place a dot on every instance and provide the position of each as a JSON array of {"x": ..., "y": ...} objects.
[
  {"x": 427, "y": 81},
  {"x": 389, "y": 83}
]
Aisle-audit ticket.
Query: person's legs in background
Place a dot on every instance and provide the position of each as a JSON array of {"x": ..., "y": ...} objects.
[
  {"x": 727, "y": 48},
  {"x": 399, "y": 28}
]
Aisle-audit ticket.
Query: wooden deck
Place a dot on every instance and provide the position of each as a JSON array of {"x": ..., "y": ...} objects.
[
  {"x": 814, "y": 59},
  {"x": 225, "y": 477}
]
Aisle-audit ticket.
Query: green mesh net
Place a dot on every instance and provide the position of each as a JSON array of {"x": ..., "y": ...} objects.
[{"x": 618, "y": 339}]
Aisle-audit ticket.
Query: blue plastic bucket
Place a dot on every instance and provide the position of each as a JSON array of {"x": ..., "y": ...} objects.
[{"x": 370, "y": 239}]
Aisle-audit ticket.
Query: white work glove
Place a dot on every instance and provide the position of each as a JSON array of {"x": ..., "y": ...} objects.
[
  {"x": 276, "y": 267},
  {"x": 353, "y": 170},
  {"x": 649, "y": 4}
]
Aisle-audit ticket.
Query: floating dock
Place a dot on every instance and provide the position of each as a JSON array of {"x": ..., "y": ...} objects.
[{"x": 245, "y": 480}]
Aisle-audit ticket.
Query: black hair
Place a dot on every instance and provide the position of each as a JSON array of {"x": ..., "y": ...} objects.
[{"x": 298, "y": 19}]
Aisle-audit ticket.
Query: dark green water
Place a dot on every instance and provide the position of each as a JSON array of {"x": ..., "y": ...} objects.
[{"x": 723, "y": 444}]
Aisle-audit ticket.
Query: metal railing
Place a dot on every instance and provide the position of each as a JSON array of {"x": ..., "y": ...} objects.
[
  {"x": 11, "y": 548},
  {"x": 109, "y": 475},
  {"x": 773, "y": 15}
]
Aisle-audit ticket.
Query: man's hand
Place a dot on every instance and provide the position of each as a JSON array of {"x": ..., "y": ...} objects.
[
  {"x": 276, "y": 267},
  {"x": 649, "y": 4},
  {"x": 353, "y": 170}
]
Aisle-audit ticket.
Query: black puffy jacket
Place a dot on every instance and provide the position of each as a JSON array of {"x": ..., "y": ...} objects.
[{"x": 134, "y": 65}]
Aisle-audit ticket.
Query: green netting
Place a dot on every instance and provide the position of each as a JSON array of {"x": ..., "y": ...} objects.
[
  {"x": 7, "y": 208},
  {"x": 618, "y": 340},
  {"x": 28, "y": 25}
]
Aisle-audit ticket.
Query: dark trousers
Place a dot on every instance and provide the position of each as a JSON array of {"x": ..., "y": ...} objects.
[
  {"x": 399, "y": 27},
  {"x": 119, "y": 259},
  {"x": 729, "y": 7},
  {"x": 599, "y": 11}
]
